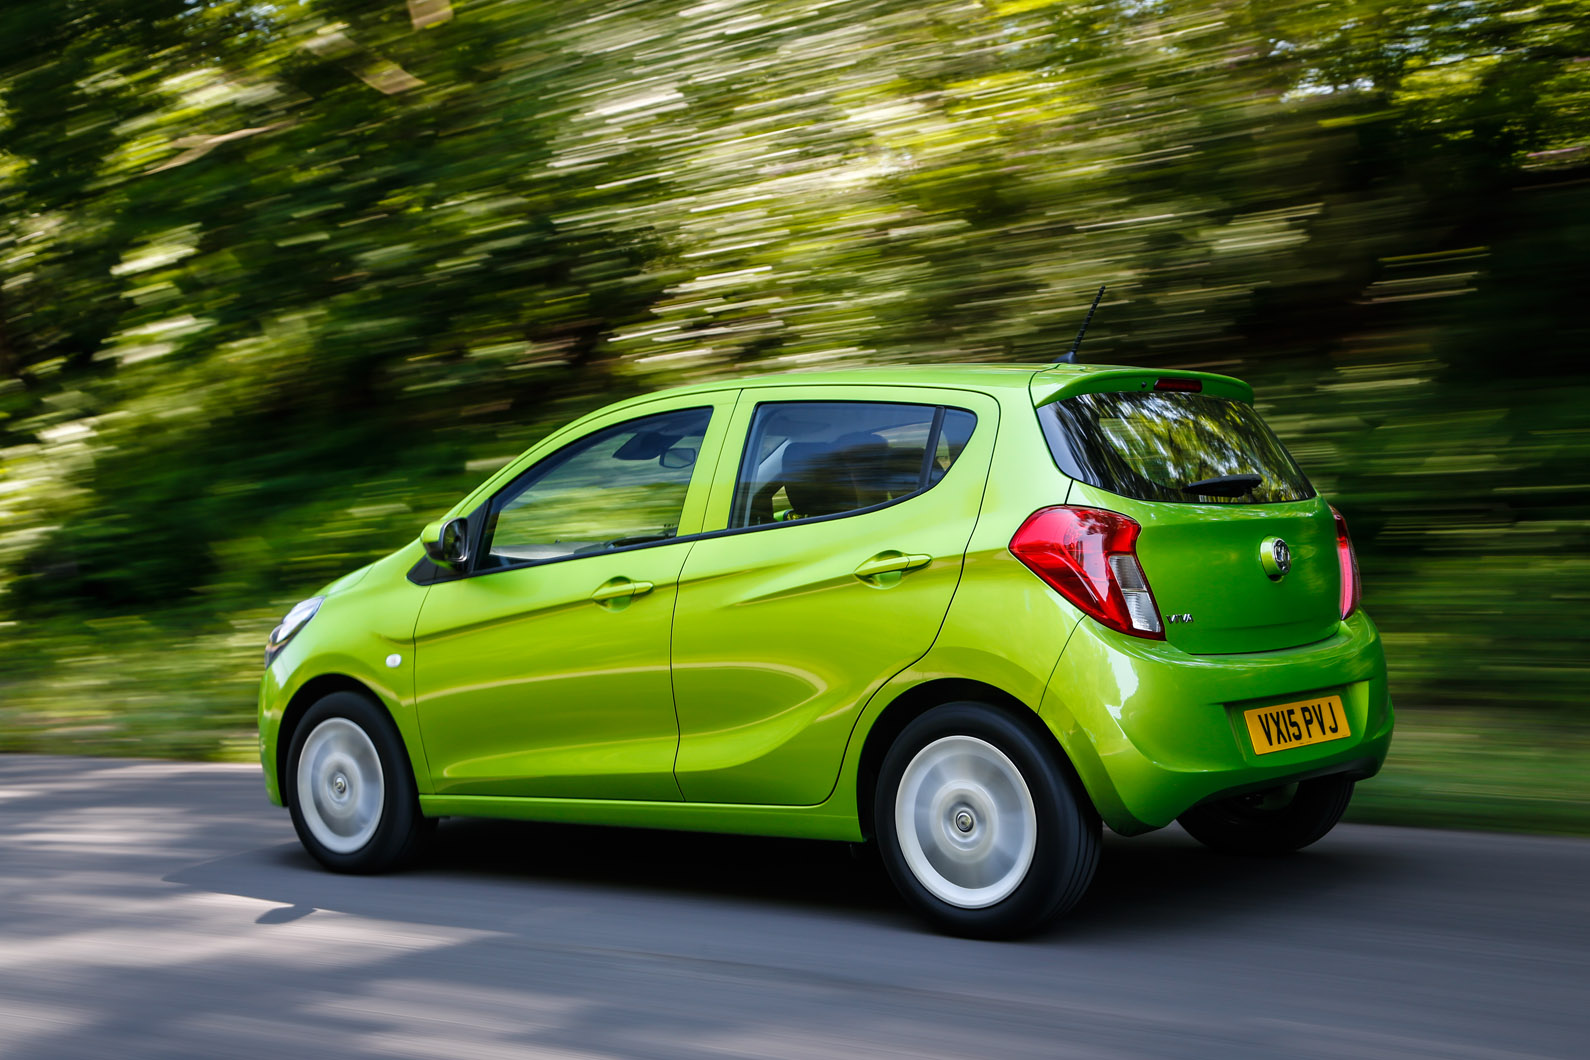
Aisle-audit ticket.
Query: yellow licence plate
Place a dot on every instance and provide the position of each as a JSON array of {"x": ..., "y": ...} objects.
[{"x": 1296, "y": 724}]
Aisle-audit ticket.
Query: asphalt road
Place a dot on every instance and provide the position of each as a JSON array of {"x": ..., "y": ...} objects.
[{"x": 165, "y": 909}]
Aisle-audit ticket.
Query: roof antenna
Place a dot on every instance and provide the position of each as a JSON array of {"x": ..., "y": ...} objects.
[{"x": 1070, "y": 356}]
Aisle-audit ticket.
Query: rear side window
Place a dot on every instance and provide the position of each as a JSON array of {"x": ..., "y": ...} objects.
[
  {"x": 1172, "y": 446},
  {"x": 809, "y": 459}
]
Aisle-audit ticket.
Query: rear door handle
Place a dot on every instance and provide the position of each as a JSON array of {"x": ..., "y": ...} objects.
[
  {"x": 620, "y": 589},
  {"x": 891, "y": 563}
]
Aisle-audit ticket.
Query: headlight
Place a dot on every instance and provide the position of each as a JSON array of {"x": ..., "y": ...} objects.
[{"x": 296, "y": 620}]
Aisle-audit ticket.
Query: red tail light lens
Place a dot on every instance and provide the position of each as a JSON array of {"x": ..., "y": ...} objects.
[
  {"x": 1185, "y": 386},
  {"x": 1088, "y": 556},
  {"x": 1347, "y": 559}
]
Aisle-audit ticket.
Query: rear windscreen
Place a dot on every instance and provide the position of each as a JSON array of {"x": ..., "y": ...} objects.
[{"x": 1170, "y": 446}]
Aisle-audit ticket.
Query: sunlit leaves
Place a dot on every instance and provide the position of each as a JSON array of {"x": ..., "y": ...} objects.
[{"x": 275, "y": 279}]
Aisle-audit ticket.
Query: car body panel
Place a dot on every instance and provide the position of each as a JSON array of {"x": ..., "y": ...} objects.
[
  {"x": 834, "y": 819},
  {"x": 1203, "y": 562},
  {"x": 363, "y": 622},
  {"x": 761, "y": 726},
  {"x": 527, "y": 685},
  {"x": 1154, "y": 730},
  {"x": 1005, "y": 627}
]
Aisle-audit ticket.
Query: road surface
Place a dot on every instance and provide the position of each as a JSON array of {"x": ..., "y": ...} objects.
[{"x": 155, "y": 909}]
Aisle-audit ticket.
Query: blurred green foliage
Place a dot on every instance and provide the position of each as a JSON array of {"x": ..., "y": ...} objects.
[{"x": 278, "y": 282}]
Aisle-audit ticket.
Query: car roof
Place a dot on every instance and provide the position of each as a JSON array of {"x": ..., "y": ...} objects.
[
  {"x": 968, "y": 376},
  {"x": 987, "y": 378}
]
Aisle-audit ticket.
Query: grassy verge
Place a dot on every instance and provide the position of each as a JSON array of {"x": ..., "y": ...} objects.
[
  {"x": 123, "y": 688},
  {"x": 1499, "y": 770}
]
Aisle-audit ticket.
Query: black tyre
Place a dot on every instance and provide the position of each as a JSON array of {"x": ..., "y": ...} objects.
[
  {"x": 1277, "y": 821},
  {"x": 349, "y": 787},
  {"x": 981, "y": 827}
]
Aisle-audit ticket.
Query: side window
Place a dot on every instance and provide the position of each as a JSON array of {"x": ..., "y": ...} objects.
[
  {"x": 624, "y": 485},
  {"x": 806, "y": 459},
  {"x": 954, "y": 433}
]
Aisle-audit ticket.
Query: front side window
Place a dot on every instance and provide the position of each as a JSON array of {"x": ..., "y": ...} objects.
[
  {"x": 809, "y": 459},
  {"x": 1172, "y": 446},
  {"x": 621, "y": 486}
]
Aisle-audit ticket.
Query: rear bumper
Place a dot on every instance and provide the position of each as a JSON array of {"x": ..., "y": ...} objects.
[{"x": 1154, "y": 731}]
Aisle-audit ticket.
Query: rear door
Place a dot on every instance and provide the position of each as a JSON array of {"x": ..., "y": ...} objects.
[
  {"x": 1219, "y": 499},
  {"x": 845, "y": 513}
]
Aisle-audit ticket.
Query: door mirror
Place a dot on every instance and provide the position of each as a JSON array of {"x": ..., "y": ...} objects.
[{"x": 447, "y": 542}]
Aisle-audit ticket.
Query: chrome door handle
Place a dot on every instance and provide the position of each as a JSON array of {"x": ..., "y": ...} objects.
[
  {"x": 891, "y": 563},
  {"x": 620, "y": 589}
]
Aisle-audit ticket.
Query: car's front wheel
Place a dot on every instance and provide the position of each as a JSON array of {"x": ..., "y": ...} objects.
[
  {"x": 982, "y": 830},
  {"x": 349, "y": 788},
  {"x": 1275, "y": 821}
]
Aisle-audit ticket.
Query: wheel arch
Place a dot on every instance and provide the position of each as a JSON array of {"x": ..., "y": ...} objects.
[
  {"x": 311, "y": 692},
  {"x": 918, "y": 700}
]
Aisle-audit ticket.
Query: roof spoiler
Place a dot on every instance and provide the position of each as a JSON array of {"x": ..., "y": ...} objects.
[{"x": 1067, "y": 381}]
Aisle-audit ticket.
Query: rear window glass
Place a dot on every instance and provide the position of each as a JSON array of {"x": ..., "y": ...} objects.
[{"x": 1169, "y": 446}]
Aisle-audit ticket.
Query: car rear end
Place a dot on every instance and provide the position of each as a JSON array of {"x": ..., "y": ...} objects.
[{"x": 1220, "y": 647}]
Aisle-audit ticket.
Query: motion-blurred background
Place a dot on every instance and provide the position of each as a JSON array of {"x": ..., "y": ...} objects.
[{"x": 279, "y": 281}]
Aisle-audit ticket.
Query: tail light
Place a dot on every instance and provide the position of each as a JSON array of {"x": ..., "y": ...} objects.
[
  {"x": 1347, "y": 559},
  {"x": 1088, "y": 556}
]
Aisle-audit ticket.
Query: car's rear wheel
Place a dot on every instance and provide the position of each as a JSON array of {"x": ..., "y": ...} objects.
[
  {"x": 349, "y": 788},
  {"x": 1275, "y": 821},
  {"x": 980, "y": 827}
]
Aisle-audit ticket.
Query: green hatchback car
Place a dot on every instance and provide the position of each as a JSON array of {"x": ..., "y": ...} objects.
[{"x": 965, "y": 613}]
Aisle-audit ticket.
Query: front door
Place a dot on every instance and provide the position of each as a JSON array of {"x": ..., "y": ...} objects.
[
  {"x": 844, "y": 524},
  {"x": 544, "y": 671}
]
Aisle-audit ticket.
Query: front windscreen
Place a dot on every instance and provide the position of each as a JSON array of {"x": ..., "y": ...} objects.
[{"x": 1172, "y": 446}]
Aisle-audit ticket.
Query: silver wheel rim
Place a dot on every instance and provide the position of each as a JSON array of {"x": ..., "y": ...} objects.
[
  {"x": 341, "y": 791},
  {"x": 966, "y": 822}
]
